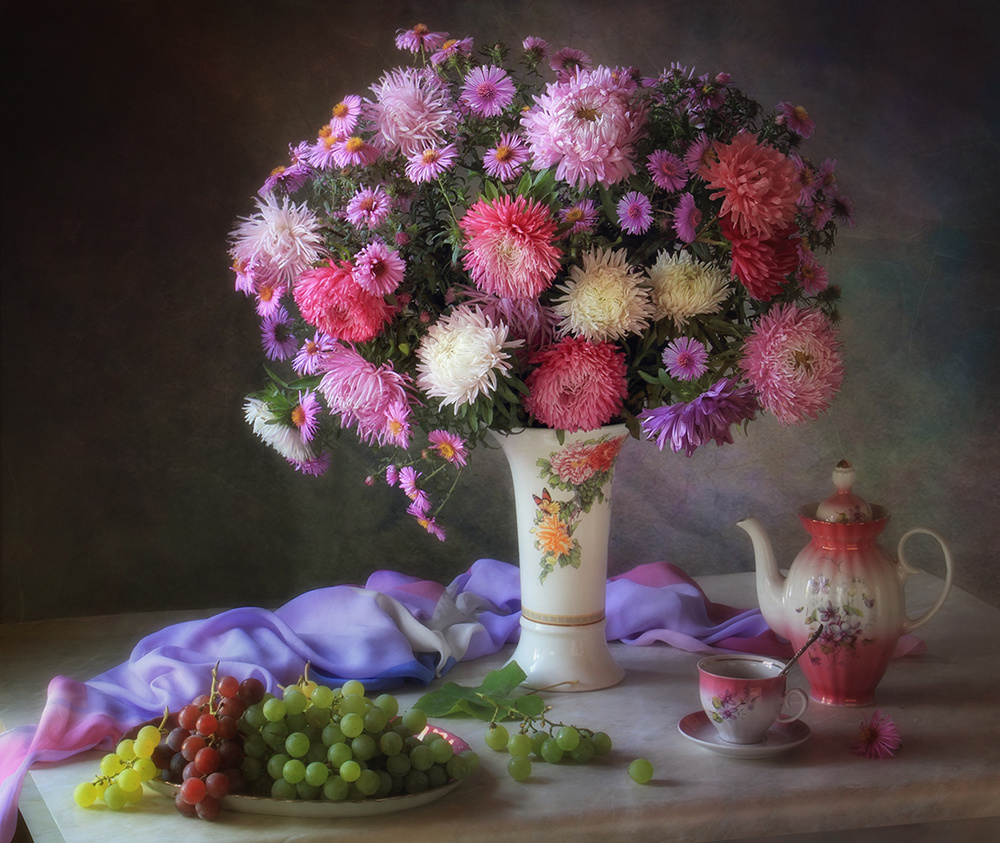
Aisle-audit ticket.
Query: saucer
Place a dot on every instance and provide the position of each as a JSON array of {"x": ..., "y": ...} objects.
[{"x": 781, "y": 737}]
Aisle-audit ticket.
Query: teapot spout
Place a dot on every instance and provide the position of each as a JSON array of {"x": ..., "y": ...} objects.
[{"x": 770, "y": 581}]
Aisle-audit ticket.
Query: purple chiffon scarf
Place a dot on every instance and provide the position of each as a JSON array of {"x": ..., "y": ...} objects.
[{"x": 396, "y": 629}]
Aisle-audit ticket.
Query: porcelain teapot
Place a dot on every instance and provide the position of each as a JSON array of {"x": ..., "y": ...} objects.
[{"x": 844, "y": 580}]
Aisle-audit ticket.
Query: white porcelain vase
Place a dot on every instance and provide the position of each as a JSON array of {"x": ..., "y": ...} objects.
[{"x": 562, "y": 497}]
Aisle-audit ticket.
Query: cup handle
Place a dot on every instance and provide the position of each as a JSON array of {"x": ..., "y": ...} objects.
[
  {"x": 910, "y": 624},
  {"x": 803, "y": 703}
]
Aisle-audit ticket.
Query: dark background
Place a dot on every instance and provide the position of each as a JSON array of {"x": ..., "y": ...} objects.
[{"x": 135, "y": 133}]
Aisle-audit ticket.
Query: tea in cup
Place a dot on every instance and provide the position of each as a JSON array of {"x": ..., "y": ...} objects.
[{"x": 744, "y": 696}]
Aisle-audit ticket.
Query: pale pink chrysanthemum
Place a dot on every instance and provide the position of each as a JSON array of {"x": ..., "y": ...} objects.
[
  {"x": 449, "y": 446},
  {"x": 368, "y": 208},
  {"x": 567, "y": 61},
  {"x": 667, "y": 170},
  {"x": 280, "y": 241},
  {"x": 305, "y": 415},
  {"x": 345, "y": 115},
  {"x": 762, "y": 264},
  {"x": 487, "y": 91},
  {"x": 429, "y": 163},
  {"x": 581, "y": 216},
  {"x": 378, "y": 269},
  {"x": 811, "y": 275},
  {"x": 309, "y": 359},
  {"x": 793, "y": 361},
  {"x": 412, "y": 111},
  {"x": 687, "y": 218},
  {"x": 505, "y": 160},
  {"x": 685, "y": 358},
  {"x": 331, "y": 300},
  {"x": 461, "y": 356},
  {"x": 361, "y": 393},
  {"x": 452, "y": 48},
  {"x": 509, "y": 243},
  {"x": 796, "y": 118},
  {"x": 757, "y": 184},
  {"x": 419, "y": 38},
  {"x": 354, "y": 151},
  {"x": 577, "y": 385},
  {"x": 877, "y": 738},
  {"x": 635, "y": 212},
  {"x": 586, "y": 127}
]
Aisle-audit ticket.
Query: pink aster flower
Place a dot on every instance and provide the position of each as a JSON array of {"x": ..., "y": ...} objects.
[
  {"x": 305, "y": 415},
  {"x": 580, "y": 216},
  {"x": 567, "y": 61},
  {"x": 290, "y": 177},
  {"x": 268, "y": 296},
  {"x": 345, "y": 115},
  {"x": 368, "y": 208},
  {"x": 397, "y": 429},
  {"x": 535, "y": 49},
  {"x": 429, "y": 163},
  {"x": 793, "y": 361},
  {"x": 635, "y": 212},
  {"x": 322, "y": 154},
  {"x": 449, "y": 446},
  {"x": 796, "y": 118},
  {"x": 586, "y": 127},
  {"x": 427, "y": 522},
  {"x": 309, "y": 359},
  {"x": 276, "y": 335},
  {"x": 811, "y": 275},
  {"x": 315, "y": 466},
  {"x": 331, "y": 300},
  {"x": 378, "y": 269},
  {"x": 409, "y": 481},
  {"x": 667, "y": 170},
  {"x": 691, "y": 424},
  {"x": 452, "y": 48},
  {"x": 354, "y": 151},
  {"x": 419, "y": 38},
  {"x": 762, "y": 265},
  {"x": 686, "y": 358},
  {"x": 687, "y": 218},
  {"x": 577, "y": 385},
  {"x": 757, "y": 184},
  {"x": 505, "y": 160},
  {"x": 509, "y": 243},
  {"x": 877, "y": 738},
  {"x": 412, "y": 111},
  {"x": 487, "y": 91},
  {"x": 700, "y": 153}
]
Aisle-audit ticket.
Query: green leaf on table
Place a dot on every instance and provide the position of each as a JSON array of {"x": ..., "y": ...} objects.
[{"x": 496, "y": 698}]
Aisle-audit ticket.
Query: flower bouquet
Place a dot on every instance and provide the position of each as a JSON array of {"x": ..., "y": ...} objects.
[{"x": 493, "y": 239}]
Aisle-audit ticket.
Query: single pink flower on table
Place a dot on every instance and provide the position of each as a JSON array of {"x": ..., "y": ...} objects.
[
  {"x": 509, "y": 243},
  {"x": 577, "y": 385},
  {"x": 877, "y": 738},
  {"x": 793, "y": 361},
  {"x": 331, "y": 300},
  {"x": 757, "y": 184}
]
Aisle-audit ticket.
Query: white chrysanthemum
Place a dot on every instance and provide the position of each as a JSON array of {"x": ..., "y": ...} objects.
[
  {"x": 280, "y": 241},
  {"x": 684, "y": 287},
  {"x": 284, "y": 438},
  {"x": 603, "y": 299},
  {"x": 461, "y": 356}
]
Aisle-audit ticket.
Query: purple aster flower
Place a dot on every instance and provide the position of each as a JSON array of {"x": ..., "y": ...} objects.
[
  {"x": 505, "y": 160},
  {"x": 667, "y": 170},
  {"x": 345, "y": 115},
  {"x": 687, "y": 218},
  {"x": 535, "y": 49},
  {"x": 452, "y": 48},
  {"x": 316, "y": 466},
  {"x": 354, "y": 151},
  {"x": 686, "y": 358},
  {"x": 429, "y": 164},
  {"x": 796, "y": 118},
  {"x": 567, "y": 61},
  {"x": 580, "y": 216},
  {"x": 635, "y": 212},
  {"x": 368, "y": 208},
  {"x": 487, "y": 91},
  {"x": 688, "y": 425},
  {"x": 305, "y": 415},
  {"x": 419, "y": 38},
  {"x": 276, "y": 335}
]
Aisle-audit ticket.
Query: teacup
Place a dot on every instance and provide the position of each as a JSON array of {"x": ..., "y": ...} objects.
[{"x": 744, "y": 696}]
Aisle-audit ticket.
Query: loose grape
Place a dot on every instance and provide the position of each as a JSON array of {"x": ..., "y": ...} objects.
[
  {"x": 85, "y": 794},
  {"x": 519, "y": 744},
  {"x": 640, "y": 770},
  {"x": 293, "y": 771},
  {"x": 497, "y": 737},
  {"x": 519, "y": 767},
  {"x": 353, "y": 686},
  {"x": 568, "y": 738},
  {"x": 115, "y": 798}
]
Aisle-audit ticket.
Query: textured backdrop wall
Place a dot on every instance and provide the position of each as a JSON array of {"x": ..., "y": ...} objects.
[{"x": 136, "y": 133}]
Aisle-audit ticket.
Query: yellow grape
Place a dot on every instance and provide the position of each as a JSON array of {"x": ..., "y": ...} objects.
[
  {"x": 115, "y": 798},
  {"x": 150, "y": 734},
  {"x": 126, "y": 749},
  {"x": 146, "y": 769},
  {"x": 353, "y": 686},
  {"x": 85, "y": 794},
  {"x": 128, "y": 780},
  {"x": 133, "y": 796},
  {"x": 111, "y": 765},
  {"x": 144, "y": 749}
]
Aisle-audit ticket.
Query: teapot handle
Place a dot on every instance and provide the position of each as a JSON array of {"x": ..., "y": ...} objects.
[{"x": 910, "y": 624}]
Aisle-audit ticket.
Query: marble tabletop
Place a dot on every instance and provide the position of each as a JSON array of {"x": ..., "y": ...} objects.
[{"x": 946, "y": 776}]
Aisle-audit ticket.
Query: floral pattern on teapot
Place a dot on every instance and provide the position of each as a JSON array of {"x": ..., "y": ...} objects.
[{"x": 845, "y": 623}]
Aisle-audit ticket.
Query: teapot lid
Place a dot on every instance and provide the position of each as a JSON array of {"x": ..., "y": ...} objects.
[{"x": 844, "y": 507}]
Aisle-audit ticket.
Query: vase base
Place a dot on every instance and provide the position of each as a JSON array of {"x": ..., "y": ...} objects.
[{"x": 566, "y": 658}]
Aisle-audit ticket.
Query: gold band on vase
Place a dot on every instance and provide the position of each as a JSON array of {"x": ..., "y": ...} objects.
[{"x": 562, "y": 620}]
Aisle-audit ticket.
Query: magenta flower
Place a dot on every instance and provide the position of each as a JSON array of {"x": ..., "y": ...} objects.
[
  {"x": 811, "y": 275},
  {"x": 796, "y": 118},
  {"x": 793, "y": 361},
  {"x": 354, "y": 151},
  {"x": 667, "y": 170},
  {"x": 315, "y": 466},
  {"x": 687, "y": 218},
  {"x": 535, "y": 49},
  {"x": 689, "y": 425},
  {"x": 487, "y": 91},
  {"x": 686, "y": 358},
  {"x": 635, "y": 212},
  {"x": 378, "y": 269},
  {"x": 345, "y": 115},
  {"x": 368, "y": 208},
  {"x": 878, "y": 737},
  {"x": 580, "y": 216},
  {"x": 276, "y": 335},
  {"x": 309, "y": 359},
  {"x": 452, "y": 48},
  {"x": 419, "y": 38},
  {"x": 429, "y": 163},
  {"x": 397, "y": 428},
  {"x": 506, "y": 160},
  {"x": 332, "y": 301},
  {"x": 305, "y": 415},
  {"x": 449, "y": 446}
]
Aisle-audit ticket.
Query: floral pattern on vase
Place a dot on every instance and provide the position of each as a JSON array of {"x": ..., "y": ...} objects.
[{"x": 586, "y": 469}]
